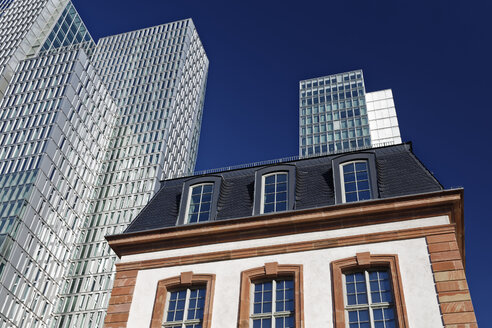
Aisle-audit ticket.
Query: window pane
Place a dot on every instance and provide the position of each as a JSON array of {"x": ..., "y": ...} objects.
[
  {"x": 352, "y": 197},
  {"x": 275, "y": 192},
  {"x": 282, "y": 196},
  {"x": 197, "y": 190},
  {"x": 205, "y": 207},
  {"x": 283, "y": 311},
  {"x": 207, "y": 188},
  {"x": 356, "y": 288},
  {"x": 269, "y": 208},
  {"x": 282, "y": 177},
  {"x": 282, "y": 187},
  {"x": 360, "y": 166},
  {"x": 363, "y": 195},
  {"x": 384, "y": 318},
  {"x": 363, "y": 185},
  {"x": 349, "y": 177},
  {"x": 196, "y": 303},
  {"x": 206, "y": 198},
  {"x": 284, "y": 322},
  {"x": 269, "y": 189},
  {"x": 269, "y": 198},
  {"x": 200, "y": 202},
  {"x": 270, "y": 179},
  {"x": 356, "y": 181},
  {"x": 281, "y": 206},
  {"x": 380, "y": 287},
  {"x": 359, "y": 318},
  {"x": 350, "y": 187},
  {"x": 204, "y": 217},
  {"x": 285, "y": 295},
  {"x": 362, "y": 175},
  {"x": 193, "y": 218},
  {"x": 348, "y": 168},
  {"x": 195, "y": 300}
]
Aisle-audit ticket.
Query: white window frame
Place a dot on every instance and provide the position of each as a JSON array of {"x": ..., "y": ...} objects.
[
  {"x": 370, "y": 306},
  {"x": 188, "y": 202},
  {"x": 274, "y": 314},
  {"x": 263, "y": 187},
  {"x": 342, "y": 179},
  {"x": 183, "y": 323}
]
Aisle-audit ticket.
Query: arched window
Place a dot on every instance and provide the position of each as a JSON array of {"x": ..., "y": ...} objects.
[
  {"x": 199, "y": 203},
  {"x": 184, "y": 301},
  {"x": 355, "y": 177},
  {"x": 199, "y": 200},
  {"x": 275, "y": 192},
  {"x": 355, "y": 181},
  {"x": 367, "y": 292},
  {"x": 274, "y": 189},
  {"x": 271, "y": 296}
]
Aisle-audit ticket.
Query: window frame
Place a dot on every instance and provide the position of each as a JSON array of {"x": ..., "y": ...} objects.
[
  {"x": 260, "y": 187},
  {"x": 186, "y": 280},
  {"x": 342, "y": 180},
  {"x": 269, "y": 272},
  {"x": 186, "y": 321},
  {"x": 367, "y": 262},
  {"x": 188, "y": 202},
  {"x": 184, "y": 206},
  {"x": 337, "y": 164},
  {"x": 274, "y": 313},
  {"x": 370, "y": 306}
]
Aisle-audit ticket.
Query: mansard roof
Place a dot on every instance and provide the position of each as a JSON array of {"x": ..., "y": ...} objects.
[{"x": 399, "y": 173}]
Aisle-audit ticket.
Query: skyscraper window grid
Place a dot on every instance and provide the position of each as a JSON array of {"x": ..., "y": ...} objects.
[
  {"x": 53, "y": 143},
  {"x": 24, "y": 26},
  {"x": 69, "y": 30},
  {"x": 157, "y": 77},
  {"x": 333, "y": 114}
]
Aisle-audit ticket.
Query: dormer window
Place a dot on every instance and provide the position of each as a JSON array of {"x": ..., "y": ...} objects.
[
  {"x": 355, "y": 181},
  {"x": 199, "y": 203},
  {"x": 355, "y": 177},
  {"x": 275, "y": 192},
  {"x": 274, "y": 189},
  {"x": 199, "y": 200}
]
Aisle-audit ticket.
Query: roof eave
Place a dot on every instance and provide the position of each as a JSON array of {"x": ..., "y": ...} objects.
[{"x": 444, "y": 202}]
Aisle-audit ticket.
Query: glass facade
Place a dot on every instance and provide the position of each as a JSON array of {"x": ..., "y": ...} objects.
[
  {"x": 157, "y": 78},
  {"x": 69, "y": 30},
  {"x": 333, "y": 115},
  {"x": 52, "y": 145},
  {"x": 87, "y": 131},
  {"x": 24, "y": 26}
]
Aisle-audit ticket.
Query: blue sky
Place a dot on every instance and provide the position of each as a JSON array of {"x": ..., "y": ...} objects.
[{"x": 434, "y": 55}]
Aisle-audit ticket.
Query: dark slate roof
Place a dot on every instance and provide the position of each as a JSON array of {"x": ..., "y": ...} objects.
[{"x": 399, "y": 173}]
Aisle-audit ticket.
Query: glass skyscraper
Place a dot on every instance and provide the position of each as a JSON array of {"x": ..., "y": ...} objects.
[
  {"x": 157, "y": 78},
  {"x": 337, "y": 114},
  {"x": 87, "y": 131}
]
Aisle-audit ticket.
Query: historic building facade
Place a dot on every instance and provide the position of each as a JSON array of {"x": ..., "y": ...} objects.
[{"x": 359, "y": 239}]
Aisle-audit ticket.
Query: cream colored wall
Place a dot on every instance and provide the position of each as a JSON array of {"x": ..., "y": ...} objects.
[
  {"x": 417, "y": 278},
  {"x": 375, "y": 228}
]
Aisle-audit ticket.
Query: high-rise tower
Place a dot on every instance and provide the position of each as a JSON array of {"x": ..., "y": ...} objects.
[
  {"x": 337, "y": 114},
  {"x": 54, "y": 139},
  {"x": 87, "y": 131},
  {"x": 157, "y": 77}
]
